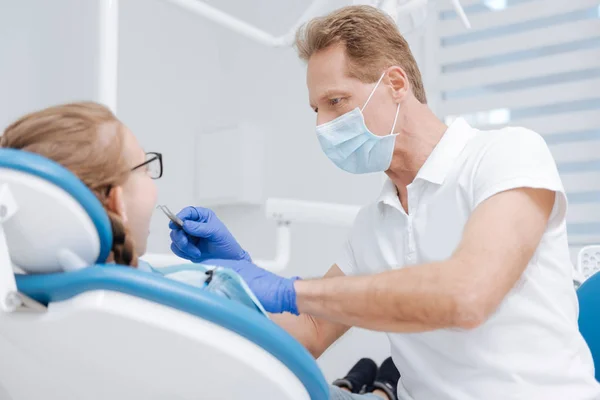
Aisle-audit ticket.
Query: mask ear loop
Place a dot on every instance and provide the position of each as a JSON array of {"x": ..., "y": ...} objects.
[
  {"x": 372, "y": 92},
  {"x": 395, "y": 119}
]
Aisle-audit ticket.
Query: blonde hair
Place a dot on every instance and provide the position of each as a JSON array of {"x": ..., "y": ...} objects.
[
  {"x": 372, "y": 42},
  {"x": 87, "y": 139}
]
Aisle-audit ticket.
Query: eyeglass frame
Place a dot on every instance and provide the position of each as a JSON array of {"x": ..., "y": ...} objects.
[{"x": 156, "y": 156}]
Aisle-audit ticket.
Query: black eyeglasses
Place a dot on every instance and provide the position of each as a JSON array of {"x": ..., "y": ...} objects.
[{"x": 153, "y": 165}]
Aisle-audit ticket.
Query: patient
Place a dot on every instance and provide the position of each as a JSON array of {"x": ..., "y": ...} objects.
[{"x": 91, "y": 142}]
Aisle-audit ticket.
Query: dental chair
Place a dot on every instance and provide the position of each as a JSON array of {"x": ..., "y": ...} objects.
[
  {"x": 588, "y": 295},
  {"x": 73, "y": 328}
]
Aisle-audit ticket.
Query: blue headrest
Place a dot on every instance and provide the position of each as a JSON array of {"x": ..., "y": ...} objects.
[
  {"x": 589, "y": 317},
  {"x": 61, "y": 177}
]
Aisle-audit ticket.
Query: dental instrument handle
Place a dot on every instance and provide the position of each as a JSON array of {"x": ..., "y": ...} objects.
[{"x": 176, "y": 220}]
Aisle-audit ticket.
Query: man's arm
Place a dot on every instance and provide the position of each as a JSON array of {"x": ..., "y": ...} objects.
[
  {"x": 316, "y": 334},
  {"x": 499, "y": 239}
]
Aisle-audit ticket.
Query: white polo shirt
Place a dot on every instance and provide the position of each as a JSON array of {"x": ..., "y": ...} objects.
[{"x": 530, "y": 347}]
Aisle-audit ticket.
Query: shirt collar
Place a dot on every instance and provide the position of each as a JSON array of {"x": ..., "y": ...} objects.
[
  {"x": 446, "y": 152},
  {"x": 440, "y": 160},
  {"x": 389, "y": 194}
]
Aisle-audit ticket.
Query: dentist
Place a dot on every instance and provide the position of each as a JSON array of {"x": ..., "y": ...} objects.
[{"x": 463, "y": 259}]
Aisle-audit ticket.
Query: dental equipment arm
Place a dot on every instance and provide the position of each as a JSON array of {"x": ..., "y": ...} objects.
[
  {"x": 461, "y": 13},
  {"x": 260, "y": 36},
  {"x": 244, "y": 28},
  {"x": 396, "y": 8},
  {"x": 499, "y": 239}
]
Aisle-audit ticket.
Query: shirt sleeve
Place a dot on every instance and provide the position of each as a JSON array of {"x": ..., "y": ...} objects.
[
  {"x": 518, "y": 158},
  {"x": 346, "y": 261}
]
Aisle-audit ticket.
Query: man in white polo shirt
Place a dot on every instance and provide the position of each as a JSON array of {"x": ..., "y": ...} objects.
[{"x": 463, "y": 258}]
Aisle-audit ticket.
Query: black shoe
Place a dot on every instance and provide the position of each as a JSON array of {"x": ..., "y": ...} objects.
[
  {"x": 362, "y": 374},
  {"x": 387, "y": 379}
]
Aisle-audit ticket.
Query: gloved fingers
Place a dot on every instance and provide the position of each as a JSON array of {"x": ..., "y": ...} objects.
[
  {"x": 246, "y": 256},
  {"x": 189, "y": 213},
  {"x": 182, "y": 242},
  {"x": 178, "y": 252},
  {"x": 179, "y": 237},
  {"x": 198, "y": 229},
  {"x": 173, "y": 226},
  {"x": 199, "y": 214},
  {"x": 203, "y": 214}
]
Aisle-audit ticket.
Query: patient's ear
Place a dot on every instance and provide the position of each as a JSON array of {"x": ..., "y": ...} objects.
[{"x": 116, "y": 203}]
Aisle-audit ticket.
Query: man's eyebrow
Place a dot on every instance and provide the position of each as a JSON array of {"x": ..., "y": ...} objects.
[{"x": 332, "y": 92}]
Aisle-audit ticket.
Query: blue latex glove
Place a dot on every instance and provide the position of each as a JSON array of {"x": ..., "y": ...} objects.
[
  {"x": 277, "y": 294},
  {"x": 204, "y": 236}
]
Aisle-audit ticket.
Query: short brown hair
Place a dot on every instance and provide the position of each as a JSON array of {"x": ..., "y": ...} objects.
[
  {"x": 87, "y": 139},
  {"x": 372, "y": 42}
]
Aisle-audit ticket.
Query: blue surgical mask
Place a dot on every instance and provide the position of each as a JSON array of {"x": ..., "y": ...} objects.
[{"x": 352, "y": 146}]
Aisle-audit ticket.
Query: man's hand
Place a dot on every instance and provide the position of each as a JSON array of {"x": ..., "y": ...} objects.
[
  {"x": 204, "y": 236},
  {"x": 276, "y": 294}
]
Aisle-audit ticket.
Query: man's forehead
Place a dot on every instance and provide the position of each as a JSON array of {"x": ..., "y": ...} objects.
[
  {"x": 325, "y": 78},
  {"x": 330, "y": 59}
]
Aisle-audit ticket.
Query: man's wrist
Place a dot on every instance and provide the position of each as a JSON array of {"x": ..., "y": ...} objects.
[
  {"x": 292, "y": 305},
  {"x": 299, "y": 287}
]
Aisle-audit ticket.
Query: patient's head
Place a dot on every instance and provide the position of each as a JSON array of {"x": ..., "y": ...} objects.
[{"x": 92, "y": 143}]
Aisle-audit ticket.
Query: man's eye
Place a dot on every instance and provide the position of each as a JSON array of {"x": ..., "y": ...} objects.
[{"x": 335, "y": 102}]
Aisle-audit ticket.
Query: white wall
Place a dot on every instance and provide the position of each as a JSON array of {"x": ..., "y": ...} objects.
[
  {"x": 180, "y": 76},
  {"x": 47, "y": 54}
]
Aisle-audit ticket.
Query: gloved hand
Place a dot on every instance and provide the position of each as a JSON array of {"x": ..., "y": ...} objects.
[
  {"x": 204, "y": 236},
  {"x": 277, "y": 294}
]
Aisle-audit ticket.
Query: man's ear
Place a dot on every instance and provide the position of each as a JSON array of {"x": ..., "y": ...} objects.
[
  {"x": 116, "y": 202},
  {"x": 398, "y": 82}
]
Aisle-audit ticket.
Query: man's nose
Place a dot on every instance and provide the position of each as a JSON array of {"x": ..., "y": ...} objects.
[{"x": 323, "y": 118}]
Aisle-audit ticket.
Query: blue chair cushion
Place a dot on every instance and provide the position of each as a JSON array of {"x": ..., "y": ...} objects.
[
  {"x": 55, "y": 173},
  {"x": 589, "y": 317},
  {"x": 233, "y": 316}
]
